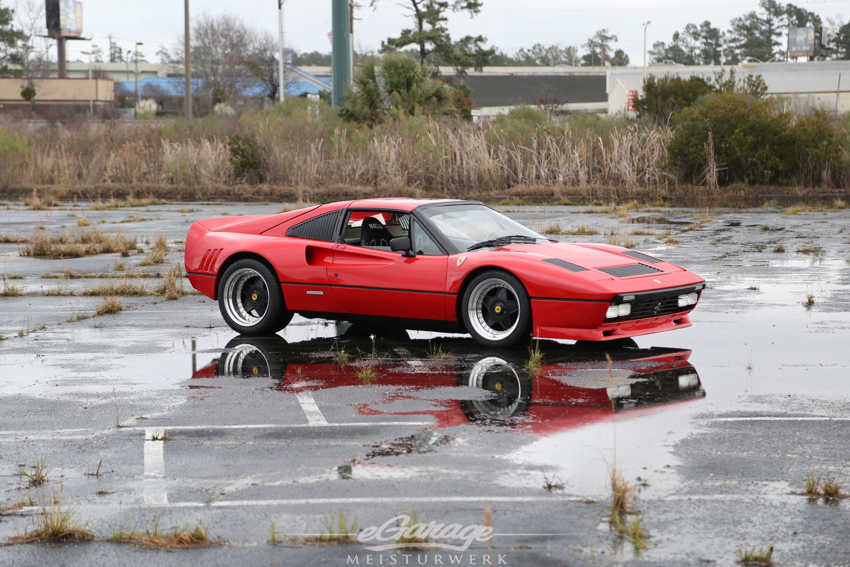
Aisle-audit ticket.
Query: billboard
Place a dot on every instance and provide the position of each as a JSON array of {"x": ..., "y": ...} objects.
[
  {"x": 801, "y": 42},
  {"x": 64, "y": 18}
]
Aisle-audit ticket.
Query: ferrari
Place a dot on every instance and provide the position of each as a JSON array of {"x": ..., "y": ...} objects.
[{"x": 431, "y": 265}]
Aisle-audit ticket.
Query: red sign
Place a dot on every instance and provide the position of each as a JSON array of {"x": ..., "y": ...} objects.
[{"x": 633, "y": 96}]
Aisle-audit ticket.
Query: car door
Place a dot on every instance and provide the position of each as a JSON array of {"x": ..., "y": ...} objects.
[{"x": 369, "y": 279}]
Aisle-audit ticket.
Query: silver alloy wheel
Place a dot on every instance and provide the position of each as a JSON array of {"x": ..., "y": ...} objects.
[
  {"x": 246, "y": 297},
  {"x": 478, "y": 378},
  {"x": 494, "y": 309},
  {"x": 234, "y": 363}
]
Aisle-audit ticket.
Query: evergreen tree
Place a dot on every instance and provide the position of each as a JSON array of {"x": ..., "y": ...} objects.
[
  {"x": 598, "y": 48},
  {"x": 432, "y": 39},
  {"x": 10, "y": 38}
]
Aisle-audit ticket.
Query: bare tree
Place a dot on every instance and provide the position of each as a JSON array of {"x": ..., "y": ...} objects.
[
  {"x": 262, "y": 62},
  {"x": 33, "y": 50}
]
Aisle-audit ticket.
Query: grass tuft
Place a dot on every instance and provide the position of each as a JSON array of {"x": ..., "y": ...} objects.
[
  {"x": 366, "y": 373},
  {"x": 339, "y": 528},
  {"x": 52, "y": 524},
  {"x": 779, "y": 248},
  {"x": 83, "y": 221},
  {"x": 157, "y": 254},
  {"x": 109, "y": 306},
  {"x": 38, "y": 476},
  {"x": 755, "y": 556},
  {"x": 172, "y": 283},
  {"x": 535, "y": 358},
  {"x": 437, "y": 353},
  {"x": 178, "y": 538}
]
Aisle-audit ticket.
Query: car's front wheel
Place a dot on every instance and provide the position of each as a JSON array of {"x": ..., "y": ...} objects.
[
  {"x": 496, "y": 310},
  {"x": 250, "y": 299}
]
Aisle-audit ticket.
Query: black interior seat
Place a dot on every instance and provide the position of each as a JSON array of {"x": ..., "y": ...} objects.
[{"x": 374, "y": 234}]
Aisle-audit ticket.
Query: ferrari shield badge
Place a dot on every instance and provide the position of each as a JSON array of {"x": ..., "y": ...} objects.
[{"x": 460, "y": 261}]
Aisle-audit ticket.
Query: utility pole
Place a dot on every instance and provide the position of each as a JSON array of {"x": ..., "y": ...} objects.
[
  {"x": 645, "y": 24},
  {"x": 138, "y": 90},
  {"x": 187, "y": 60},
  {"x": 341, "y": 50},
  {"x": 91, "y": 92},
  {"x": 281, "y": 87}
]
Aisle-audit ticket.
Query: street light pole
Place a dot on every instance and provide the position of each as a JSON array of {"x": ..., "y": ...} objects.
[
  {"x": 129, "y": 53},
  {"x": 187, "y": 58},
  {"x": 645, "y": 24},
  {"x": 281, "y": 89},
  {"x": 91, "y": 91},
  {"x": 138, "y": 90}
]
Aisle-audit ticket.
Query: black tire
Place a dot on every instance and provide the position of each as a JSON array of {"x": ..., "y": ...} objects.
[
  {"x": 254, "y": 357},
  {"x": 250, "y": 299},
  {"x": 510, "y": 391},
  {"x": 496, "y": 310}
]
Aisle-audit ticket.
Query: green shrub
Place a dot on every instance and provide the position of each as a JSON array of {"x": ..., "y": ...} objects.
[
  {"x": 13, "y": 147},
  {"x": 247, "y": 159},
  {"x": 593, "y": 126},
  {"x": 754, "y": 142},
  {"x": 663, "y": 96}
]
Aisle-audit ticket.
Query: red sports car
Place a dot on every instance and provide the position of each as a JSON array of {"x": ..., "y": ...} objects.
[{"x": 437, "y": 265}]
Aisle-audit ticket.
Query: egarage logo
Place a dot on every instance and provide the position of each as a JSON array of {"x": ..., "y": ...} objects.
[{"x": 401, "y": 533}]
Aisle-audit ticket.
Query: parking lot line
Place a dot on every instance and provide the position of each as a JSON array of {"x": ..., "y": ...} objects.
[
  {"x": 311, "y": 408},
  {"x": 777, "y": 418}
]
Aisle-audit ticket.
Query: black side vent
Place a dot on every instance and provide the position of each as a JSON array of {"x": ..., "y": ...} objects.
[
  {"x": 643, "y": 257},
  {"x": 323, "y": 227},
  {"x": 566, "y": 265},
  {"x": 627, "y": 271}
]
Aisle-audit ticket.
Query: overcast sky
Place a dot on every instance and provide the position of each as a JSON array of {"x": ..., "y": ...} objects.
[{"x": 507, "y": 24}]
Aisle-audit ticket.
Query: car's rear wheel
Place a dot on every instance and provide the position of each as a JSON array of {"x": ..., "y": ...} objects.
[
  {"x": 250, "y": 299},
  {"x": 496, "y": 310}
]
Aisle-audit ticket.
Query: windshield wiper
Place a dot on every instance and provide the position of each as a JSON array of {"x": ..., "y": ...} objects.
[{"x": 502, "y": 241}]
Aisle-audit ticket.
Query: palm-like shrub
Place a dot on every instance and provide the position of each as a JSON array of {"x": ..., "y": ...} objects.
[{"x": 397, "y": 86}]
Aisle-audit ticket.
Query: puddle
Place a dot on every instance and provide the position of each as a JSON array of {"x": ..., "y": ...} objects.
[{"x": 573, "y": 387}]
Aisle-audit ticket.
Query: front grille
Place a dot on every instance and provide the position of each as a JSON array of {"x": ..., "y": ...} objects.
[
  {"x": 631, "y": 270},
  {"x": 655, "y": 307}
]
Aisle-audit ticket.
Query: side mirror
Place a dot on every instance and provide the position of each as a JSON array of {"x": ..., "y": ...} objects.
[{"x": 402, "y": 244}]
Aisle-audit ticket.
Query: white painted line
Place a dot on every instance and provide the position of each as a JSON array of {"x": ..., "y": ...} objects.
[
  {"x": 771, "y": 418},
  {"x": 311, "y": 408},
  {"x": 282, "y": 426},
  {"x": 154, "y": 468},
  {"x": 154, "y": 457},
  {"x": 55, "y": 431},
  {"x": 379, "y": 500}
]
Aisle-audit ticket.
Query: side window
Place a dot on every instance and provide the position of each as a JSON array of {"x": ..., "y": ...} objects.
[
  {"x": 375, "y": 229},
  {"x": 323, "y": 227},
  {"x": 422, "y": 244}
]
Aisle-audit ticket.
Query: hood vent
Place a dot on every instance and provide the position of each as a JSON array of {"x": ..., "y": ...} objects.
[
  {"x": 628, "y": 271},
  {"x": 643, "y": 257},
  {"x": 565, "y": 265}
]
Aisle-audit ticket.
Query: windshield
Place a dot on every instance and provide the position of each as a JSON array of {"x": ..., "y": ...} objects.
[{"x": 467, "y": 225}]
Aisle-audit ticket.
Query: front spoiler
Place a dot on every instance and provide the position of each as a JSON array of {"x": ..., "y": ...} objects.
[{"x": 619, "y": 330}]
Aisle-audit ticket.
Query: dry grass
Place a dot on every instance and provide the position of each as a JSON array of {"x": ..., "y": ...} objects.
[
  {"x": 124, "y": 287},
  {"x": 581, "y": 230},
  {"x": 7, "y": 239},
  {"x": 157, "y": 254},
  {"x": 177, "y": 538},
  {"x": 78, "y": 244},
  {"x": 755, "y": 556},
  {"x": 10, "y": 289},
  {"x": 338, "y": 528},
  {"x": 810, "y": 249},
  {"x": 172, "y": 283},
  {"x": 779, "y": 248},
  {"x": 109, "y": 306},
  {"x": 83, "y": 221},
  {"x": 52, "y": 524},
  {"x": 37, "y": 476},
  {"x": 36, "y": 204}
]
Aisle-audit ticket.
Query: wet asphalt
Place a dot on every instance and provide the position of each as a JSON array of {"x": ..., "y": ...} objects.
[{"x": 716, "y": 426}]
